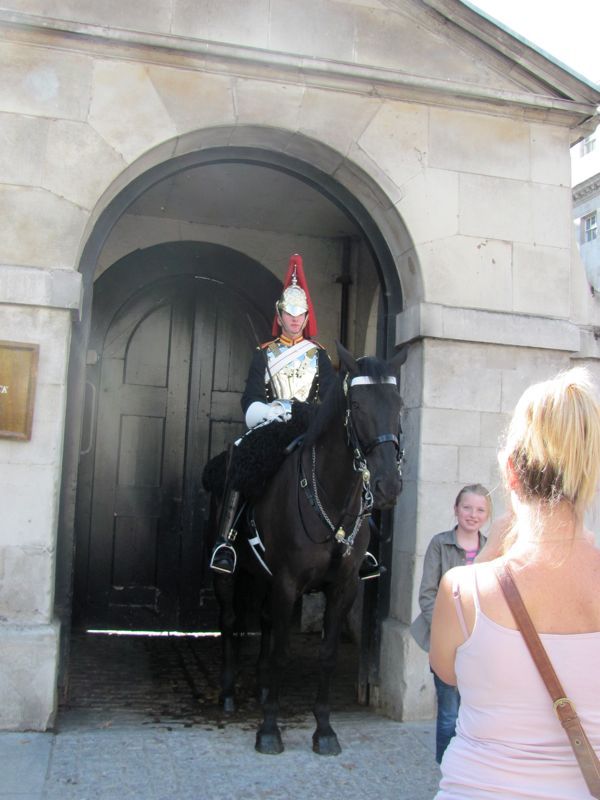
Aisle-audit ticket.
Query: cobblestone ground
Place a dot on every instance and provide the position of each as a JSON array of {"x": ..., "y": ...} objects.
[
  {"x": 142, "y": 722},
  {"x": 175, "y": 680}
]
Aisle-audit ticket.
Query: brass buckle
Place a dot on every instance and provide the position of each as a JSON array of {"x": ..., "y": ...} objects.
[{"x": 562, "y": 701}]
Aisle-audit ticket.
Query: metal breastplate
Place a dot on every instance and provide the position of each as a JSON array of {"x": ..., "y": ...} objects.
[{"x": 295, "y": 379}]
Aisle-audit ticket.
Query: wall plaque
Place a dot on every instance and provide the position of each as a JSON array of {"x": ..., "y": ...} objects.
[{"x": 18, "y": 373}]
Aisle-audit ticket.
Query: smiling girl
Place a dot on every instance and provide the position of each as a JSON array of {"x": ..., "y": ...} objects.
[{"x": 453, "y": 548}]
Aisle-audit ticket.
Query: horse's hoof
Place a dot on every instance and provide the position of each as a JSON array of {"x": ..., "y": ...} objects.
[
  {"x": 269, "y": 744},
  {"x": 326, "y": 745},
  {"x": 229, "y": 705}
]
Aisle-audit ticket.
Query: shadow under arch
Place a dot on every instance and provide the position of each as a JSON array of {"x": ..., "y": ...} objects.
[
  {"x": 302, "y": 158},
  {"x": 208, "y": 261}
]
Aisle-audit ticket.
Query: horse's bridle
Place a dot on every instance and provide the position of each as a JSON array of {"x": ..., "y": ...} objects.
[{"x": 359, "y": 453}]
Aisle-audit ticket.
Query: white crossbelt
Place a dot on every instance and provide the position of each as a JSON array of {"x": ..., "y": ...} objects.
[{"x": 289, "y": 354}]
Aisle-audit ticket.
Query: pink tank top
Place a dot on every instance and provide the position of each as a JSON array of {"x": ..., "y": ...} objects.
[{"x": 509, "y": 744}]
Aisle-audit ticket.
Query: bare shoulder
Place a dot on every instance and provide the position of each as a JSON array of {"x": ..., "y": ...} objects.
[
  {"x": 480, "y": 579},
  {"x": 455, "y": 577},
  {"x": 459, "y": 586},
  {"x": 485, "y": 573},
  {"x": 489, "y": 594}
]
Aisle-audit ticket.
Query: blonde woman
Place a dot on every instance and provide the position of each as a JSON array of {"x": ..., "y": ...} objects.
[
  {"x": 458, "y": 546},
  {"x": 509, "y": 743}
]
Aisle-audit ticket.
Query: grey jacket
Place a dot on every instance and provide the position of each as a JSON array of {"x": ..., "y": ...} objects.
[{"x": 442, "y": 554}]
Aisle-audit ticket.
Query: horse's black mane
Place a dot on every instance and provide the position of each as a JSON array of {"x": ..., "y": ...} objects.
[{"x": 334, "y": 402}]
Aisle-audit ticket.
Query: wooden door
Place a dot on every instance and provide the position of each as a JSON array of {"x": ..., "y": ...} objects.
[{"x": 168, "y": 383}]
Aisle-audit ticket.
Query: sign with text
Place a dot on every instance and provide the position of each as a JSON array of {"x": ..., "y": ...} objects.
[{"x": 18, "y": 373}]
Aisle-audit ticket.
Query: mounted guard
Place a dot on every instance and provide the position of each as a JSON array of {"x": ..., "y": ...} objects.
[
  {"x": 311, "y": 520},
  {"x": 289, "y": 370}
]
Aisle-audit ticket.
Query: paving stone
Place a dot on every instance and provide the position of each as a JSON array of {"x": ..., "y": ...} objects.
[{"x": 142, "y": 722}]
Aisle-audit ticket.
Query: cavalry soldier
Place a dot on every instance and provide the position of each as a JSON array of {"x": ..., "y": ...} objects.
[{"x": 290, "y": 367}]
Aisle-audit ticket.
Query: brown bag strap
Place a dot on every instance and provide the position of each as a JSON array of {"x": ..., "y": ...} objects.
[{"x": 564, "y": 708}]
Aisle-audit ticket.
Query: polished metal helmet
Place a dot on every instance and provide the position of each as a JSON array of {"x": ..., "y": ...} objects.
[{"x": 295, "y": 298}]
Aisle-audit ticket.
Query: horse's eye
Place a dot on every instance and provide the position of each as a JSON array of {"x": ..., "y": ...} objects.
[{"x": 355, "y": 406}]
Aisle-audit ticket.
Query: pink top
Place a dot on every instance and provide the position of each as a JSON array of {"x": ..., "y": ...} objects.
[{"x": 509, "y": 744}]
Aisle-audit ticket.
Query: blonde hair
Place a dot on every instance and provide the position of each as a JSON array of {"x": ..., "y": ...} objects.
[
  {"x": 553, "y": 441},
  {"x": 476, "y": 488}
]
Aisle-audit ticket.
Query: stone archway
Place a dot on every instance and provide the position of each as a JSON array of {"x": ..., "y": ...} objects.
[{"x": 328, "y": 173}]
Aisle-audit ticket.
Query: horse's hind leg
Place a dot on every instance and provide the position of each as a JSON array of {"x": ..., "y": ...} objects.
[
  {"x": 262, "y": 666},
  {"x": 268, "y": 737},
  {"x": 224, "y": 590},
  {"x": 339, "y": 601}
]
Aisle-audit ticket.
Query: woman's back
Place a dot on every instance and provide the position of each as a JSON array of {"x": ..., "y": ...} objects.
[
  {"x": 559, "y": 583},
  {"x": 509, "y": 742}
]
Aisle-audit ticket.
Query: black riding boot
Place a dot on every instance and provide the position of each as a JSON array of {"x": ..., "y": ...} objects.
[
  {"x": 224, "y": 557},
  {"x": 370, "y": 568}
]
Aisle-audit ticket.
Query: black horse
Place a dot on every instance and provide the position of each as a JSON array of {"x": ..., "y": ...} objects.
[{"x": 310, "y": 530}]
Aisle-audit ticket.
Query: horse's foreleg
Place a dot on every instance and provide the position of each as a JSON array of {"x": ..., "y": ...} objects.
[
  {"x": 268, "y": 737},
  {"x": 224, "y": 590},
  {"x": 339, "y": 601}
]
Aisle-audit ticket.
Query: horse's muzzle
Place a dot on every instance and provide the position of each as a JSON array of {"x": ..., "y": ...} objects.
[{"x": 386, "y": 491}]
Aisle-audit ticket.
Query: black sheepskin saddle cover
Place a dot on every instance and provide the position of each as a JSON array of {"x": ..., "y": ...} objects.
[{"x": 258, "y": 456}]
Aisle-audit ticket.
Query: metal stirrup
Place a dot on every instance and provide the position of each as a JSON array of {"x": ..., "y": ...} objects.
[{"x": 223, "y": 545}]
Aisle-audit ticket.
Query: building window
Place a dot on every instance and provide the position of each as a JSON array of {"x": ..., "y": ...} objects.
[
  {"x": 588, "y": 144},
  {"x": 589, "y": 228}
]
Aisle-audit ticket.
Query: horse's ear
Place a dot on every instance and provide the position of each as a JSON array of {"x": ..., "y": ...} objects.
[
  {"x": 398, "y": 359},
  {"x": 347, "y": 359}
]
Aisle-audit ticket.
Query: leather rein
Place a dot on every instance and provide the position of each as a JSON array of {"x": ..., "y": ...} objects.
[{"x": 361, "y": 490}]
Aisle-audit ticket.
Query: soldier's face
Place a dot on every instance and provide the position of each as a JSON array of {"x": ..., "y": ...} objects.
[{"x": 292, "y": 325}]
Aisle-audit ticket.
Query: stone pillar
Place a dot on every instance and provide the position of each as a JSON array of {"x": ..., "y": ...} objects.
[{"x": 35, "y": 307}]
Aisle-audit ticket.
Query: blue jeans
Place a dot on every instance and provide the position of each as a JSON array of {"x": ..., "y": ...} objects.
[{"x": 448, "y": 701}]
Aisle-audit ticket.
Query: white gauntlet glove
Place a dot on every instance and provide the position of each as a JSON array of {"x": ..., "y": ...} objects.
[{"x": 261, "y": 413}]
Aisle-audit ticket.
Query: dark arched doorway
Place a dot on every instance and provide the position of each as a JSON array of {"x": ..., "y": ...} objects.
[{"x": 172, "y": 335}]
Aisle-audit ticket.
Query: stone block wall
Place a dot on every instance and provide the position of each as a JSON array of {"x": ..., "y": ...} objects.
[
  {"x": 29, "y": 480},
  {"x": 470, "y": 194}
]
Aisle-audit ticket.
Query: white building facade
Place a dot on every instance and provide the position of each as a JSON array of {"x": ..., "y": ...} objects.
[
  {"x": 585, "y": 157},
  {"x": 160, "y": 163}
]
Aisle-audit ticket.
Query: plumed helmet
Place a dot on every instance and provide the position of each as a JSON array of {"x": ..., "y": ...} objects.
[{"x": 295, "y": 298}]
